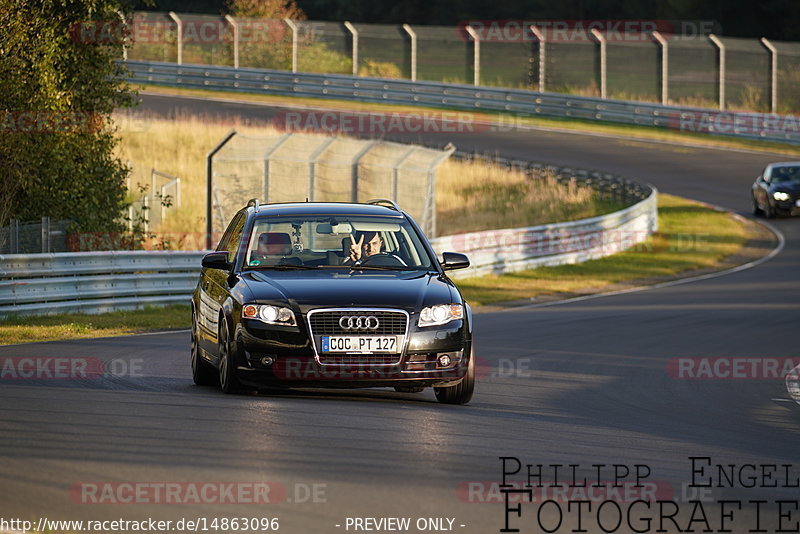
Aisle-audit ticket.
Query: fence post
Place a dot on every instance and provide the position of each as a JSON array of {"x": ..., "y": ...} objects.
[
  {"x": 312, "y": 163},
  {"x": 14, "y": 237},
  {"x": 720, "y": 67},
  {"x": 354, "y": 171},
  {"x": 267, "y": 155},
  {"x": 664, "y": 66},
  {"x": 293, "y": 27},
  {"x": 210, "y": 187},
  {"x": 413, "y": 35},
  {"x": 603, "y": 61},
  {"x": 430, "y": 199},
  {"x": 476, "y": 55},
  {"x": 542, "y": 55},
  {"x": 354, "y": 34},
  {"x": 45, "y": 235},
  {"x": 773, "y": 74},
  {"x": 396, "y": 167},
  {"x": 235, "y": 27},
  {"x": 177, "y": 21}
]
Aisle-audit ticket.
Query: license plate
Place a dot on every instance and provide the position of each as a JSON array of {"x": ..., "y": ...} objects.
[{"x": 361, "y": 344}]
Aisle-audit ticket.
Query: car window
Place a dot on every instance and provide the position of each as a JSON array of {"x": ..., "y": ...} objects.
[
  {"x": 237, "y": 228},
  {"x": 226, "y": 235},
  {"x": 232, "y": 236},
  {"x": 785, "y": 174},
  {"x": 325, "y": 241}
]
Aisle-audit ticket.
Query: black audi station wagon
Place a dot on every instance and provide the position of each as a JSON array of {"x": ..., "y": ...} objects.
[{"x": 331, "y": 295}]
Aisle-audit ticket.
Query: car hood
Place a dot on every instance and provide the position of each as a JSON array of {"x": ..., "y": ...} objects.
[
  {"x": 786, "y": 187},
  {"x": 340, "y": 288}
]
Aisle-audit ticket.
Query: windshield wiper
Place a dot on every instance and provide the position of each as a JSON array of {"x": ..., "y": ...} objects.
[
  {"x": 382, "y": 268},
  {"x": 286, "y": 267}
]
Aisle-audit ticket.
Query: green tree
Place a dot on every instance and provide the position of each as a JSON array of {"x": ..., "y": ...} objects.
[{"x": 59, "y": 84}]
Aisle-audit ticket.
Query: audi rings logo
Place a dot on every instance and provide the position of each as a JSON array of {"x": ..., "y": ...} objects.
[{"x": 359, "y": 322}]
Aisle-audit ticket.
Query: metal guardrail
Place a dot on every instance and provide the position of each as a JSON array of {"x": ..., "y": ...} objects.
[
  {"x": 96, "y": 282},
  {"x": 515, "y": 249},
  {"x": 743, "y": 125}
]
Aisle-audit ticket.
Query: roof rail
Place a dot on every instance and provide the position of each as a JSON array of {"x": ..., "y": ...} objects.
[
  {"x": 253, "y": 203},
  {"x": 385, "y": 202}
]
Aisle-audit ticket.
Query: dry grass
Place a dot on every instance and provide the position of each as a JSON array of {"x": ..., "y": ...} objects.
[
  {"x": 470, "y": 196},
  {"x": 691, "y": 236},
  {"x": 477, "y": 196},
  {"x": 177, "y": 147}
]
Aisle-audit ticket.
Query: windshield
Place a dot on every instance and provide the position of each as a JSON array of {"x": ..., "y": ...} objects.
[
  {"x": 335, "y": 242},
  {"x": 785, "y": 174}
]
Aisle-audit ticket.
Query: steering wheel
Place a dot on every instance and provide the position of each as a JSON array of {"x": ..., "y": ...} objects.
[{"x": 384, "y": 259}]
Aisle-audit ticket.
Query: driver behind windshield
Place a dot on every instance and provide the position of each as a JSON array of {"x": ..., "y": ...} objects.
[{"x": 368, "y": 244}]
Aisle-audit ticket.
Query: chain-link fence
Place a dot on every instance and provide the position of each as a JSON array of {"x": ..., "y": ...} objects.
[
  {"x": 34, "y": 237},
  {"x": 296, "y": 167},
  {"x": 153, "y": 200},
  {"x": 687, "y": 69}
]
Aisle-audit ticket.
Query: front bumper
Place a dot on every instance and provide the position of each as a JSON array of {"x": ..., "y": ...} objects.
[
  {"x": 285, "y": 357},
  {"x": 788, "y": 207}
]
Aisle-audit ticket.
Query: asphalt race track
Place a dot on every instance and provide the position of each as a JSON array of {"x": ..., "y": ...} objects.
[{"x": 586, "y": 382}]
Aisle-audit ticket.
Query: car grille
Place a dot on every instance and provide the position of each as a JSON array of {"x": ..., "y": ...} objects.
[
  {"x": 326, "y": 323},
  {"x": 359, "y": 359}
]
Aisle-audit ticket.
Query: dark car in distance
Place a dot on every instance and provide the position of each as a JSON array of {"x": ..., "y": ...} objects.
[
  {"x": 291, "y": 299},
  {"x": 776, "y": 191}
]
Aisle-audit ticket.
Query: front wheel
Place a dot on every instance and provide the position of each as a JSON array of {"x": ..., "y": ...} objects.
[
  {"x": 769, "y": 210},
  {"x": 756, "y": 210},
  {"x": 462, "y": 392},
  {"x": 227, "y": 366},
  {"x": 202, "y": 372}
]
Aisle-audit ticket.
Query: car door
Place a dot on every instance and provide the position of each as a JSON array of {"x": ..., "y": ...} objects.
[{"x": 214, "y": 286}]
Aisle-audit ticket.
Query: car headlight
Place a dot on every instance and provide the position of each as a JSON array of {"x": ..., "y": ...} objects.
[
  {"x": 780, "y": 195},
  {"x": 269, "y": 314},
  {"x": 440, "y": 314}
]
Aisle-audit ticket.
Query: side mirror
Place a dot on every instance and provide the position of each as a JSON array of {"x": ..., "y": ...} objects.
[
  {"x": 217, "y": 260},
  {"x": 454, "y": 260},
  {"x": 766, "y": 178}
]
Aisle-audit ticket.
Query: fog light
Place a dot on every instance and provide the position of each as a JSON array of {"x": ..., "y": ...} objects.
[
  {"x": 444, "y": 360},
  {"x": 266, "y": 361}
]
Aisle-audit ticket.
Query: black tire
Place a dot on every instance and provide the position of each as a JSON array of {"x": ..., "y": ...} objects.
[
  {"x": 461, "y": 393},
  {"x": 228, "y": 381},
  {"x": 769, "y": 211},
  {"x": 203, "y": 373},
  {"x": 756, "y": 210},
  {"x": 409, "y": 389}
]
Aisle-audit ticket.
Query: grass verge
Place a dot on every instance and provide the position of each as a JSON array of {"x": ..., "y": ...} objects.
[
  {"x": 507, "y": 121},
  {"x": 81, "y": 325},
  {"x": 693, "y": 238}
]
